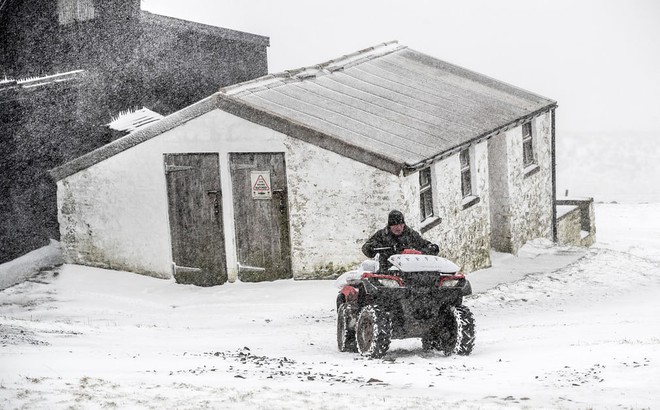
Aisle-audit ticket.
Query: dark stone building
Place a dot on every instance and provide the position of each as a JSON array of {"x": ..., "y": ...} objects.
[{"x": 68, "y": 67}]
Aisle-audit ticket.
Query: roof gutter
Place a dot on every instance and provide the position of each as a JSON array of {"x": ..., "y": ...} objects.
[
  {"x": 554, "y": 179},
  {"x": 412, "y": 168}
]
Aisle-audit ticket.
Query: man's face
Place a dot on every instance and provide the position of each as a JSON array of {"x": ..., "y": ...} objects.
[{"x": 397, "y": 229}]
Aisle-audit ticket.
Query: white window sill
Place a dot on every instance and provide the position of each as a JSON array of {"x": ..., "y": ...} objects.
[
  {"x": 470, "y": 201},
  {"x": 531, "y": 170},
  {"x": 429, "y": 223}
]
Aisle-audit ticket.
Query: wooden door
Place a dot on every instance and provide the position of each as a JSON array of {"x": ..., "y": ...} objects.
[
  {"x": 261, "y": 216},
  {"x": 195, "y": 210}
]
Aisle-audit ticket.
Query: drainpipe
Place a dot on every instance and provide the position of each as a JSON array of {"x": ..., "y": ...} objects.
[{"x": 554, "y": 178}]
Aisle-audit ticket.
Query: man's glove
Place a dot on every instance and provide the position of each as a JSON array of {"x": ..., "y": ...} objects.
[{"x": 432, "y": 249}]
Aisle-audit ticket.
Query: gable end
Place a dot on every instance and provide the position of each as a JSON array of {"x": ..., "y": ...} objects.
[{"x": 132, "y": 139}]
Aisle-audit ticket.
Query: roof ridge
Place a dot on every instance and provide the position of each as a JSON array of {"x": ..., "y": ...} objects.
[
  {"x": 361, "y": 56},
  {"x": 328, "y": 67}
]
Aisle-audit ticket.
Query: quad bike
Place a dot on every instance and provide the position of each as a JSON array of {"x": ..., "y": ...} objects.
[{"x": 420, "y": 296}]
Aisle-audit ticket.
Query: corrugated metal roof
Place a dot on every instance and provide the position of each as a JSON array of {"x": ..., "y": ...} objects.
[
  {"x": 387, "y": 106},
  {"x": 397, "y": 103}
]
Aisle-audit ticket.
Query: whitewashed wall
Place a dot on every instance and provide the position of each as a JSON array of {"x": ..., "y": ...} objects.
[
  {"x": 114, "y": 214},
  {"x": 464, "y": 233},
  {"x": 500, "y": 202},
  {"x": 525, "y": 194},
  {"x": 568, "y": 225},
  {"x": 533, "y": 198},
  {"x": 335, "y": 204}
]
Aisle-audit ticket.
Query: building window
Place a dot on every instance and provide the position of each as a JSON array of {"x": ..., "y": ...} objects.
[
  {"x": 466, "y": 173},
  {"x": 70, "y": 11},
  {"x": 425, "y": 193},
  {"x": 528, "y": 144}
]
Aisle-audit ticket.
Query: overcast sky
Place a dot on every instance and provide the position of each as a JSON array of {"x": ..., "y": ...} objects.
[{"x": 600, "y": 59}]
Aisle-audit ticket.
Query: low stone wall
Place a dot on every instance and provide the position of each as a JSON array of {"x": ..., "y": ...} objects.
[{"x": 576, "y": 222}]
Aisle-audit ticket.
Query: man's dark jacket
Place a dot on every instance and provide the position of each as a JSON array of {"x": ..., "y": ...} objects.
[{"x": 384, "y": 238}]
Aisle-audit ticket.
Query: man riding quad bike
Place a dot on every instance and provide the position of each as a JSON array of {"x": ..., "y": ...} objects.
[
  {"x": 408, "y": 294},
  {"x": 393, "y": 239}
]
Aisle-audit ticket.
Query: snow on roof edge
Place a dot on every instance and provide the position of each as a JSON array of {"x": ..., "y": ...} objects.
[
  {"x": 31, "y": 82},
  {"x": 302, "y": 73},
  {"x": 133, "y": 119}
]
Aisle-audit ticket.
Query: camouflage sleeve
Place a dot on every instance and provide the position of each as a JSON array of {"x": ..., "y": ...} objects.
[
  {"x": 423, "y": 245},
  {"x": 368, "y": 247}
]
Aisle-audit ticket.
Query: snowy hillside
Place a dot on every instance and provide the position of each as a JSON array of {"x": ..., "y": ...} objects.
[
  {"x": 609, "y": 166},
  {"x": 585, "y": 335}
]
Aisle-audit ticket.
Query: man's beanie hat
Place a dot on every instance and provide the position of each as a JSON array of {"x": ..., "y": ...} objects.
[{"x": 394, "y": 218}]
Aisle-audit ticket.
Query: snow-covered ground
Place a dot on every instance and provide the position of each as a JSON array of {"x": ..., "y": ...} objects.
[
  {"x": 556, "y": 328},
  {"x": 20, "y": 269}
]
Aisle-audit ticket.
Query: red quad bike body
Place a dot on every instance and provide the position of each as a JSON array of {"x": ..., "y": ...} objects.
[{"x": 420, "y": 296}]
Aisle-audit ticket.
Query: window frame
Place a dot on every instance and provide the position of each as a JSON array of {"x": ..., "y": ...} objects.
[
  {"x": 465, "y": 171},
  {"x": 426, "y": 194},
  {"x": 528, "y": 144}
]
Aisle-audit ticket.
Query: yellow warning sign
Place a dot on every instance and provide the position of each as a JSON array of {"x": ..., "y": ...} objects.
[{"x": 260, "y": 182}]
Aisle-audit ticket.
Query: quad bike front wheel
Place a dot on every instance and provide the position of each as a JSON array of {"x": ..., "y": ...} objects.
[
  {"x": 431, "y": 342},
  {"x": 455, "y": 334},
  {"x": 373, "y": 332},
  {"x": 460, "y": 332},
  {"x": 345, "y": 333}
]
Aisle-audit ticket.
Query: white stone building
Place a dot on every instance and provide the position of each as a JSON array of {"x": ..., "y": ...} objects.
[{"x": 287, "y": 175}]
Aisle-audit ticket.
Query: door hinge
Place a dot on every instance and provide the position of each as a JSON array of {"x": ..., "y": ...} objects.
[
  {"x": 176, "y": 168},
  {"x": 252, "y": 268},
  {"x": 243, "y": 166},
  {"x": 186, "y": 269}
]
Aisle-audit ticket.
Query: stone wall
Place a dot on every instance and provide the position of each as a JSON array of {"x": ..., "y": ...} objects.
[
  {"x": 521, "y": 197},
  {"x": 130, "y": 59},
  {"x": 499, "y": 188},
  {"x": 335, "y": 205},
  {"x": 568, "y": 225},
  {"x": 41, "y": 128},
  {"x": 114, "y": 213},
  {"x": 580, "y": 228},
  {"x": 464, "y": 233},
  {"x": 531, "y": 189}
]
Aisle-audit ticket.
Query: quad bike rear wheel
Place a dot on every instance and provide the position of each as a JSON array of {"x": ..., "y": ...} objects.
[
  {"x": 345, "y": 333},
  {"x": 373, "y": 332}
]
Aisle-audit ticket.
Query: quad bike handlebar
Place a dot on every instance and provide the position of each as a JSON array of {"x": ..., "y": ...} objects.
[{"x": 395, "y": 249}]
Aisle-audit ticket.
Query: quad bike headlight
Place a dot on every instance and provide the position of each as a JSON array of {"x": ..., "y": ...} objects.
[
  {"x": 389, "y": 283},
  {"x": 450, "y": 283}
]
